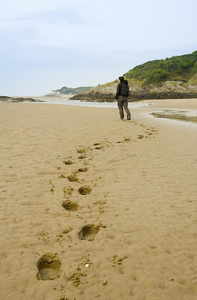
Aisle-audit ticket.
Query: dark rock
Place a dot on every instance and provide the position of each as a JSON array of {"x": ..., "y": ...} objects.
[
  {"x": 17, "y": 100},
  {"x": 167, "y": 90}
]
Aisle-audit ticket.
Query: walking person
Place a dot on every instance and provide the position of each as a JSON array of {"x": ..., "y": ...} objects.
[{"x": 122, "y": 98}]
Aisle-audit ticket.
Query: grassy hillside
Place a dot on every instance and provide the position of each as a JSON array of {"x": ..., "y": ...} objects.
[
  {"x": 182, "y": 68},
  {"x": 170, "y": 78},
  {"x": 74, "y": 91}
]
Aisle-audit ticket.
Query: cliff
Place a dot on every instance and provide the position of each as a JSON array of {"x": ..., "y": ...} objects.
[{"x": 172, "y": 78}]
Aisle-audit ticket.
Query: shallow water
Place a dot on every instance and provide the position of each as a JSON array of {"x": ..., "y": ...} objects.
[
  {"x": 89, "y": 104},
  {"x": 176, "y": 115},
  {"x": 181, "y": 115}
]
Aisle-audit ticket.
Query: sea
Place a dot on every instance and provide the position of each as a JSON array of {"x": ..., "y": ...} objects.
[{"x": 63, "y": 101}]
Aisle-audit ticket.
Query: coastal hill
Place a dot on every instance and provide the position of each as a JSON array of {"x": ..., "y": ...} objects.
[
  {"x": 170, "y": 78},
  {"x": 69, "y": 91}
]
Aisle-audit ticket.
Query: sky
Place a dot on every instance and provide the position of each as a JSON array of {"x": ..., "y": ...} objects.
[{"x": 48, "y": 44}]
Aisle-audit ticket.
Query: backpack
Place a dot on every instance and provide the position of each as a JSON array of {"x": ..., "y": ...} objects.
[{"x": 125, "y": 89}]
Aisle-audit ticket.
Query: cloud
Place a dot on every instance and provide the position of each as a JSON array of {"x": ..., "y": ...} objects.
[
  {"x": 15, "y": 9},
  {"x": 100, "y": 26},
  {"x": 77, "y": 42}
]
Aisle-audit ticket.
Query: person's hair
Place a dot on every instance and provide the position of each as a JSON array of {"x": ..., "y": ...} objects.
[{"x": 121, "y": 78}]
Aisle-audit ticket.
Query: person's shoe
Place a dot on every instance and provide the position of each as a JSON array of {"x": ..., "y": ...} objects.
[{"x": 128, "y": 118}]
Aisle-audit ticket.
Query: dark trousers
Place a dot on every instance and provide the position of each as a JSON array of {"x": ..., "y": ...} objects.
[{"x": 123, "y": 103}]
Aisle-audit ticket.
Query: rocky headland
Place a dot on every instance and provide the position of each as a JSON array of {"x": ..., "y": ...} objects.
[
  {"x": 172, "y": 78},
  {"x": 168, "y": 90},
  {"x": 69, "y": 91}
]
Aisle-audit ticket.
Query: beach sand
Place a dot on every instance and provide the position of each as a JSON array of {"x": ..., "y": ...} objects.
[{"x": 93, "y": 207}]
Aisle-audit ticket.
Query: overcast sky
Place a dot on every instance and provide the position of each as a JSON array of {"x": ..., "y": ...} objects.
[{"x": 47, "y": 44}]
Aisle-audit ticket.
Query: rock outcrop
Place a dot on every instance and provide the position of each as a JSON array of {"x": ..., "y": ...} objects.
[
  {"x": 166, "y": 90},
  {"x": 18, "y": 100},
  {"x": 172, "y": 78}
]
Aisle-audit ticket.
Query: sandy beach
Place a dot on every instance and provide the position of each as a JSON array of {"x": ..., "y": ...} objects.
[{"x": 93, "y": 207}]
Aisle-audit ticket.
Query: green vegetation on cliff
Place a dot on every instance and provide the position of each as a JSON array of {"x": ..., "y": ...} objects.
[
  {"x": 181, "y": 68},
  {"x": 74, "y": 91},
  {"x": 170, "y": 78},
  {"x": 108, "y": 84}
]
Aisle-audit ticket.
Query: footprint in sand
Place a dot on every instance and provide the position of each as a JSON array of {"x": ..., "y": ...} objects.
[
  {"x": 68, "y": 162},
  {"x": 97, "y": 144},
  {"x": 70, "y": 205},
  {"x": 48, "y": 267},
  {"x": 88, "y": 232},
  {"x": 150, "y": 132},
  {"x": 68, "y": 191},
  {"x": 127, "y": 140},
  {"x": 84, "y": 190},
  {"x": 73, "y": 178},
  {"x": 81, "y": 151},
  {"x": 83, "y": 170},
  {"x": 82, "y": 157},
  {"x": 118, "y": 261},
  {"x": 134, "y": 122}
]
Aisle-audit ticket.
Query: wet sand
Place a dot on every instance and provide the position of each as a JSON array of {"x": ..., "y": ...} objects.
[{"x": 93, "y": 207}]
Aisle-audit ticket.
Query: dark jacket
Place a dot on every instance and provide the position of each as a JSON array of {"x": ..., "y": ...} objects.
[{"x": 118, "y": 92}]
